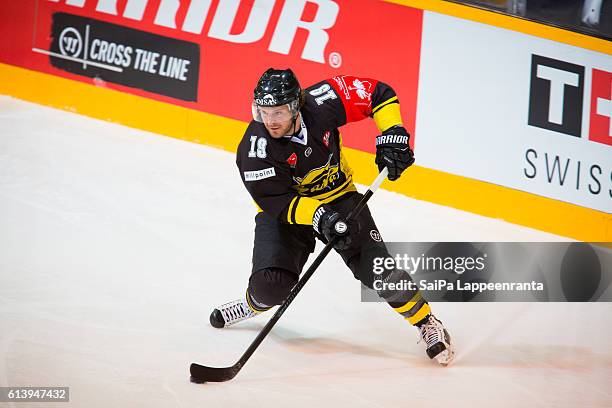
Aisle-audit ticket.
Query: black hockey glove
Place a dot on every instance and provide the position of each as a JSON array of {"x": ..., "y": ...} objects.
[
  {"x": 393, "y": 151},
  {"x": 331, "y": 224}
]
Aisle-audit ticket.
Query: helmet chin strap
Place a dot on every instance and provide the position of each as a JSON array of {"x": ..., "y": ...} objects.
[
  {"x": 295, "y": 118},
  {"x": 292, "y": 130},
  {"x": 294, "y": 123}
]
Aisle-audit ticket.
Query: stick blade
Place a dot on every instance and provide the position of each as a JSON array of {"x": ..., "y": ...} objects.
[{"x": 201, "y": 374}]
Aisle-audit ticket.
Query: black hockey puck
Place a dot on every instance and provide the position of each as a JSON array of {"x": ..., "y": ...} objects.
[{"x": 216, "y": 319}]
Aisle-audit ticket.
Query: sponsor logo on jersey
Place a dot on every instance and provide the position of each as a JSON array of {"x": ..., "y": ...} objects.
[
  {"x": 308, "y": 152},
  {"x": 351, "y": 86},
  {"x": 360, "y": 88},
  {"x": 257, "y": 175},
  {"x": 292, "y": 160},
  {"x": 375, "y": 235},
  {"x": 326, "y": 138}
]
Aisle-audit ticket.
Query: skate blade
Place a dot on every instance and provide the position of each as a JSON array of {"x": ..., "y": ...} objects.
[{"x": 444, "y": 358}]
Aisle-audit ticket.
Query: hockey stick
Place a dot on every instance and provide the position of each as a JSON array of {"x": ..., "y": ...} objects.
[{"x": 201, "y": 374}]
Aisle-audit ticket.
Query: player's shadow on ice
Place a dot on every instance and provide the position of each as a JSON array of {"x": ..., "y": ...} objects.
[
  {"x": 526, "y": 356},
  {"x": 296, "y": 342}
]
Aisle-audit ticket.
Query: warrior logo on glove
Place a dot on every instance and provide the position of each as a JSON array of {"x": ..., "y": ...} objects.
[{"x": 393, "y": 151}]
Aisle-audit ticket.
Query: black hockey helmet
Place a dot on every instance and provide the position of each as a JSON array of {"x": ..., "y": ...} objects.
[{"x": 277, "y": 87}]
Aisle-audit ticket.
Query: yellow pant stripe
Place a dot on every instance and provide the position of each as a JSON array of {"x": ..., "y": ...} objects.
[
  {"x": 418, "y": 316},
  {"x": 253, "y": 307},
  {"x": 248, "y": 299},
  {"x": 410, "y": 304}
]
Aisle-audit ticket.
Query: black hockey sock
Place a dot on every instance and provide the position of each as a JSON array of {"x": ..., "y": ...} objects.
[{"x": 409, "y": 303}]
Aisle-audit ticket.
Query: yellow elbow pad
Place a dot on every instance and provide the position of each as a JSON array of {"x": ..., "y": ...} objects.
[{"x": 387, "y": 114}]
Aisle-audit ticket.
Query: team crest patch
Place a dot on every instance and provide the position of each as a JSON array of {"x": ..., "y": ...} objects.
[{"x": 292, "y": 160}]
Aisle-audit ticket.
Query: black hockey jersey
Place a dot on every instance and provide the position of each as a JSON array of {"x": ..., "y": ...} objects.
[{"x": 290, "y": 177}]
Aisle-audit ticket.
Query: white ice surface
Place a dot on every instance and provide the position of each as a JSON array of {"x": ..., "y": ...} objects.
[{"x": 115, "y": 245}]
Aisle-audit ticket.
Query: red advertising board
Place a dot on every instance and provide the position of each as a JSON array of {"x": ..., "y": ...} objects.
[
  {"x": 208, "y": 54},
  {"x": 601, "y": 107}
]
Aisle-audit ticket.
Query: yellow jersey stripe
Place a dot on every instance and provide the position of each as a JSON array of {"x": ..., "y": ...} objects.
[
  {"x": 380, "y": 105},
  {"x": 304, "y": 210},
  {"x": 290, "y": 209},
  {"x": 388, "y": 116}
]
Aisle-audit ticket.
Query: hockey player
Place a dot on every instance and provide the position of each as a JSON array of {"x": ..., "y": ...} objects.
[{"x": 290, "y": 160}]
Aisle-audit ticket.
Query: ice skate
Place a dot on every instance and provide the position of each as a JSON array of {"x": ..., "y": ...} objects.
[
  {"x": 231, "y": 313},
  {"x": 437, "y": 340}
]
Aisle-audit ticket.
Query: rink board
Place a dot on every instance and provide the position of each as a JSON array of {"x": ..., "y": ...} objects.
[
  {"x": 463, "y": 162},
  {"x": 459, "y": 192}
]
